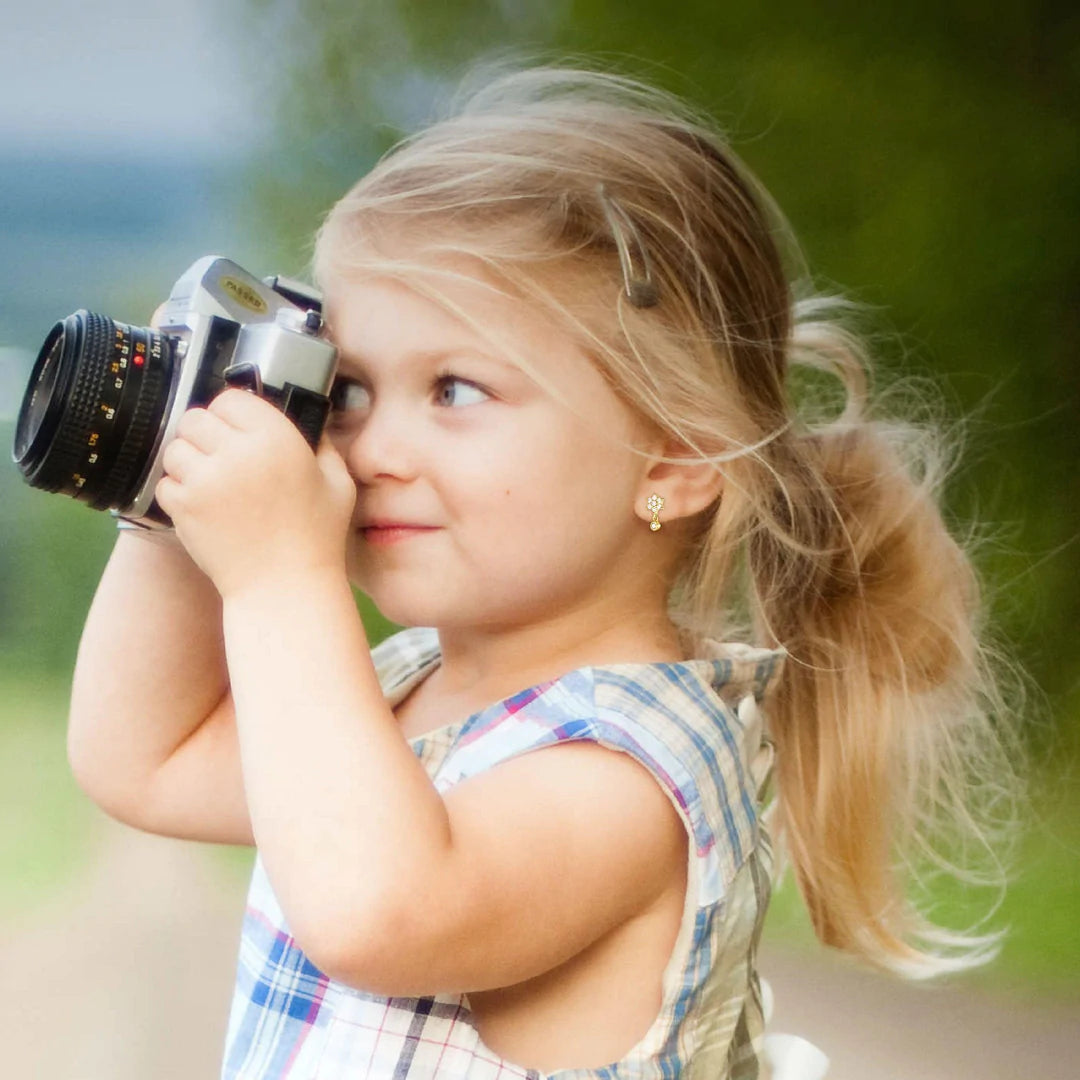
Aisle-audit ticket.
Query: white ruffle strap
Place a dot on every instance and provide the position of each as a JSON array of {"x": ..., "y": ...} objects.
[{"x": 790, "y": 1057}]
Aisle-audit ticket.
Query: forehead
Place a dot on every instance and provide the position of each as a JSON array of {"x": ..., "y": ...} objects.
[
  {"x": 373, "y": 309},
  {"x": 382, "y": 314}
]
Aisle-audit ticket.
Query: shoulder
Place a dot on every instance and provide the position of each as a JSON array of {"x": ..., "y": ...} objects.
[{"x": 683, "y": 724}]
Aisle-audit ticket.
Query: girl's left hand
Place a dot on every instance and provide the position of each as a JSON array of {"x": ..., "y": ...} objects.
[{"x": 249, "y": 500}]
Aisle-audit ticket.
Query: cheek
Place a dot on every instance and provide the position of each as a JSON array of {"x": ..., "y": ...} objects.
[{"x": 554, "y": 487}]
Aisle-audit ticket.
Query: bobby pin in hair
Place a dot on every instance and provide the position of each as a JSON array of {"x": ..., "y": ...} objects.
[{"x": 641, "y": 290}]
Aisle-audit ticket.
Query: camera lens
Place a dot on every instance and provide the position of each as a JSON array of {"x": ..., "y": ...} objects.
[{"x": 93, "y": 409}]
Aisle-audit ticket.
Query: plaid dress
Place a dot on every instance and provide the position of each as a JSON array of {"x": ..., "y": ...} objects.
[{"x": 695, "y": 725}]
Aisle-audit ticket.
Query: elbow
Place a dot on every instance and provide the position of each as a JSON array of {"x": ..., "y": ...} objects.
[
  {"x": 369, "y": 947},
  {"x": 97, "y": 784},
  {"x": 95, "y": 763},
  {"x": 81, "y": 764},
  {"x": 104, "y": 797},
  {"x": 83, "y": 758}
]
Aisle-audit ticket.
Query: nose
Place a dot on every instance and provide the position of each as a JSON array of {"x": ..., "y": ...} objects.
[{"x": 377, "y": 446}]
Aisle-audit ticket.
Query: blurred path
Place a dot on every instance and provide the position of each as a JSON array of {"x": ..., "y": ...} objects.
[
  {"x": 876, "y": 1028},
  {"x": 128, "y": 977}
]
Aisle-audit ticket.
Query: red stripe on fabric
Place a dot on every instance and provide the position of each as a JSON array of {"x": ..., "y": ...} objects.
[
  {"x": 446, "y": 1041},
  {"x": 380, "y": 1032},
  {"x": 261, "y": 916},
  {"x": 308, "y": 1022},
  {"x": 510, "y": 707}
]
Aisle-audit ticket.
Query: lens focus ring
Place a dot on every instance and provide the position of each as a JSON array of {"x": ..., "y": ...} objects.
[
  {"x": 93, "y": 411},
  {"x": 138, "y": 441},
  {"x": 85, "y": 336}
]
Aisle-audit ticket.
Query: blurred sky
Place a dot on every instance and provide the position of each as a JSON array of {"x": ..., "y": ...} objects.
[
  {"x": 117, "y": 69},
  {"x": 122, "y": 126}
]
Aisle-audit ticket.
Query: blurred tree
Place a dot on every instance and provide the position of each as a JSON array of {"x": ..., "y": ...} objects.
[
  {"x": 925, "y": 155},
  {"x": 52, "y": 551}
]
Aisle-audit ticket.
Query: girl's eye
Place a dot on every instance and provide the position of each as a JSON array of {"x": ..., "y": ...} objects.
[
  {"x": 347, "y": 396},
  {"x": 451, "y": 390}
]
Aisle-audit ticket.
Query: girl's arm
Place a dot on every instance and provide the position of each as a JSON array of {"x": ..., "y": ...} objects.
[
  {"x": 387, "y": 885},
  {"x": 151, "y": 735},
  {"x": 384, "y": 883}
]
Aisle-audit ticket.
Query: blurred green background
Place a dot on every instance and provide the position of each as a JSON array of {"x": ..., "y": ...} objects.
[{"x": 925, "y": 154}]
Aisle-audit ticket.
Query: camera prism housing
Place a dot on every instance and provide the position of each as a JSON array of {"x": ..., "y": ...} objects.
[{"x": 104, "y": 398}]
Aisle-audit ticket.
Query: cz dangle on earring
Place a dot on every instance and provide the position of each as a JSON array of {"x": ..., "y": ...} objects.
[{"x": 655, "y": 504}]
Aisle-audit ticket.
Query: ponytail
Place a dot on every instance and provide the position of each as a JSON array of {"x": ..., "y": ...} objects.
[{"x": 883, "y": 718}]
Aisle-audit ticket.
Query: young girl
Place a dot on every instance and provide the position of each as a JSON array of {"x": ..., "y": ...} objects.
[{"x": 564, "y": 455}]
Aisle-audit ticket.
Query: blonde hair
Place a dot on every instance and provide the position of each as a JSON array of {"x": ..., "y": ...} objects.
[{"x": 829, "y": 541}]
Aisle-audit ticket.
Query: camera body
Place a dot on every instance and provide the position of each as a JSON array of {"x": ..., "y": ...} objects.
[
  {"x": 234, "y": 330},
  {"x": 104, "y": 398}
]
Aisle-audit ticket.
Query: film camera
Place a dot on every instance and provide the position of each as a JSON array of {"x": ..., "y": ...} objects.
[{"x": 104, "y": 398}]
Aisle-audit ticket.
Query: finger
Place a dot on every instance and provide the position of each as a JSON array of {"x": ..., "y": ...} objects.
[
  {"x": 334, "y": 469},
  {"x": 166, "y": 492},
  {"x": 330, "y": 460},
  {"x": 241, "y": 409},
  {"x": 159, "y": 312},
  {"x": 327, "y": 452},
  {"x": 205, "y": 430},
  {"x": 180, "y": 459}
]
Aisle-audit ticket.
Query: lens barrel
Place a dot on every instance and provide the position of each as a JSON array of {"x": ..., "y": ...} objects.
[{"x": 93, "y": 409}]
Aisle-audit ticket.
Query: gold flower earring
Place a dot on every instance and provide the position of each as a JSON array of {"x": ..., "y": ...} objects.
[{"x": 655, "y": 505}]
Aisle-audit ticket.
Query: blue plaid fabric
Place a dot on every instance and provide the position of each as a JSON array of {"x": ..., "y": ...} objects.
[{"x": 696, "y": 726}]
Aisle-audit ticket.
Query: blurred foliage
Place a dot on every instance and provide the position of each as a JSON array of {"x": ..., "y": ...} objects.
[
  {"x": 44, "y": 828},
  {"x": 52, "y": 552},
  {"x": 924, "y": 153}
]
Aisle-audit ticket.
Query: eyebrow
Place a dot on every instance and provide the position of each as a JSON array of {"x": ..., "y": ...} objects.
[{"x": 426, "y": 358}]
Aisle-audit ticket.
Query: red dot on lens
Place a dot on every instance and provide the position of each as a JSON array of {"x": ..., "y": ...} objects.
[{"x": 138, "y": 360}]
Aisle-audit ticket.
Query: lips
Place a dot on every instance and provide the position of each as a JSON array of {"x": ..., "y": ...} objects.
[
  {"x": 380, "y": 524},
  {"x": 393, "y": 533}
]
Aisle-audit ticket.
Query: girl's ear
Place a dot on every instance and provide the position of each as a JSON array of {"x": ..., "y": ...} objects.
[{"x": 686, "y": 489}]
